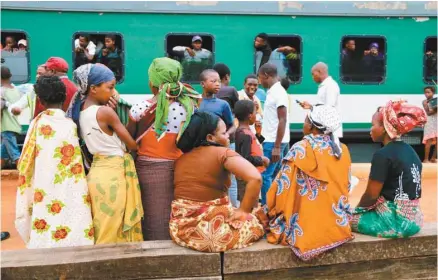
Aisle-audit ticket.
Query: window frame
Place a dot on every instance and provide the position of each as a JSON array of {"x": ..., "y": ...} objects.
[
  {"x": 385, "y": 40},
  {"x": 102, "y": 33},
  {"x": 191, "y": 34},
  {"x": 424, "y": 60},
  {"x": 301, "y": 53},
  {"x": 29, "y": 75}
]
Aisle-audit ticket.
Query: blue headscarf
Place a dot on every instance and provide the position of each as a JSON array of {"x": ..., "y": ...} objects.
[{"x": 85, "y": 76}]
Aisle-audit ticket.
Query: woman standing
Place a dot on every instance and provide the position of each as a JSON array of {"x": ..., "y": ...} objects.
[
  {"x": 203, "y": 218},
  {"x": 390, "y": 206},
  {"x": 307, "y": 204},
  {"x": 112, "y": 180},
  {"x": 157, "y": 124},
  {"x": 53, "y": 204},
  {"x": 430, "y": 129}
]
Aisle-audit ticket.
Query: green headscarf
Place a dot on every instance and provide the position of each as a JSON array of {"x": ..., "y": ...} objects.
[{"x": 165, "y": 73}]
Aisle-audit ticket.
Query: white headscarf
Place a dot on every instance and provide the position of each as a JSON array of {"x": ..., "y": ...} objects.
[{"x": 327, "y": 119}]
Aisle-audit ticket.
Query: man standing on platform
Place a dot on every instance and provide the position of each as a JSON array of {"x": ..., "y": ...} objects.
[
  {"x": 275, "y": 127},
  {"x": 328, "y": 91}
]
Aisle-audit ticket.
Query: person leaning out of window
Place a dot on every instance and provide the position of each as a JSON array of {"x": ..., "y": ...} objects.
[{"x": 110, "y": 56}]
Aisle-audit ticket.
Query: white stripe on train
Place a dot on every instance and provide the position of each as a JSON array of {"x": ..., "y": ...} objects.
[{"x": 355, "y": 108}]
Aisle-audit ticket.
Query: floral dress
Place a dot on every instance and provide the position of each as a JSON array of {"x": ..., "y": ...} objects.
[{"x": 53, "y": 204}]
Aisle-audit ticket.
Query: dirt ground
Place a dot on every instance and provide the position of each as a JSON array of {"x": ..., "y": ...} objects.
[{"x": 8, "y": 192}]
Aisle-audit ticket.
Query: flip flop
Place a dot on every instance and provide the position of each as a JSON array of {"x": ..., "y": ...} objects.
[{"x": 5, "y": 235}]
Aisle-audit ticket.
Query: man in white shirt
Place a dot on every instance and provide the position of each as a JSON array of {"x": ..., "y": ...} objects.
[
  {"x": 328, "y": 91},
  {"x": 275, "y": 127},
  {"x": 248, "y": 92},
  {"x": 85, "y": 50}
]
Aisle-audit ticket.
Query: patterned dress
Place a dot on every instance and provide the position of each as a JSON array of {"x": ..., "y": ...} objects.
[
  {"x": 53, "y": 204},
  {"x": 307, "y": 205}
]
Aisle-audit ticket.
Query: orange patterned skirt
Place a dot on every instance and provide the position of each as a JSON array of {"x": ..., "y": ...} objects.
[{"x": 203, "y": 226}]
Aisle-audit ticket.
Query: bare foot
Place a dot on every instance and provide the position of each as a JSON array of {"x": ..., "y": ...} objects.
[
  {"x": 433, "y": 160},
  {"x": 426, "y": 161}
]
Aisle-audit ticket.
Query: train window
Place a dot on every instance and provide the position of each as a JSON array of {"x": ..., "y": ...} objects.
[
  {"x": 282, "y": 50},
  {"x": 363, "y": 59},
  {"x": 100, "y": 47},
  {"x": 194, "y": 51},
  {"x": 15, "y": 55},
  {"x": 430, "y": 65}
]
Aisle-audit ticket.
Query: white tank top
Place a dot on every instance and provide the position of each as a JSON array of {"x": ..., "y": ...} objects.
[{"x": 97, "y": 141}]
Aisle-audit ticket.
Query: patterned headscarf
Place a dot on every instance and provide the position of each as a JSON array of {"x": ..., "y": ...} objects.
[
  {"x": 400, "y": 118},
  {"x": 164, "y": 74},
  {"x": 86, "y": 76},
  {"x": 327, "y": 119}
]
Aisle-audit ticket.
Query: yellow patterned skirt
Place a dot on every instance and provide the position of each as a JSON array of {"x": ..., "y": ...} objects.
[{"x": 115, "y": 199}]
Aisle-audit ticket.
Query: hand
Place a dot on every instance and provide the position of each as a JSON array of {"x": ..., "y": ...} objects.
[
  {"x": 16, "y": 111},
  {"x": 8, "y": 47},
  {"x": 306, "y": 105},
  {"x": 276, "y": 152},
  {"x": 429, "y": 53},
  {"x": 237, "y": 218},
  {"x": 114, "y": 100},
  {"x": 258, "y": 127},
  {"x": 266, "y": 161},
  {"x": 366, "y": 52},
  {"x": 191, "y": 52},
  {"x": 256, "y": 104},
  {"x": 78, "y": 49},
  {"x": 104, "y": 52}
]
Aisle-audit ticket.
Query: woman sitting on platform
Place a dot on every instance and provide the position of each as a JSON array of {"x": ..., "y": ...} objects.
[
  {"x": 307, "y": 204},
  {"x": 390, "y": 206},
  {"x": 202, "y": 217}
]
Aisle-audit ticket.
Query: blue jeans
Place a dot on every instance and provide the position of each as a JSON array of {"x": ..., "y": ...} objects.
[
  {"x": 283, "y": 155},
  {"x": 232, "y": 191},
  {"x": 9, "y": 147},
  {"x": 268, "y": 174}
]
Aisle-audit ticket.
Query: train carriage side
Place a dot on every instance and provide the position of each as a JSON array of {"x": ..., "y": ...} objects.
[{"x": 230, "y": 38}]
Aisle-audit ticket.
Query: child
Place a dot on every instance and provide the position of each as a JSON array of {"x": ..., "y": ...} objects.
[
  {"x": 10, "y": 125},
  {"x": 246, "y": 142},
  {"x": 53, "y": 205},
  {"x": 110, "y": 56},
  {"x": 211, "y": 84},
  {"x": 112, "y": 180},
  {"x": 430, "y": 129}
]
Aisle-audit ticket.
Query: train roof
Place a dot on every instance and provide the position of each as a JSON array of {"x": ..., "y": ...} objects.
[{"x": 291, "y": 8}]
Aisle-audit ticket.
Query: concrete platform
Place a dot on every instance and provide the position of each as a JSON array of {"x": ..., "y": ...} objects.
[{"x": 364, "y": 258}]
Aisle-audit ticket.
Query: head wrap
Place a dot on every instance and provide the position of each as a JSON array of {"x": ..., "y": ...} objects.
[
  {"x": 85, "y": 76},
  {"x": 57, "y": 64},
  {"x": 327, "y": 119},
  {"x": 201, "y": 124},
  {"x": 165, "y": 73},
  {"x": 400, "y": 117}
]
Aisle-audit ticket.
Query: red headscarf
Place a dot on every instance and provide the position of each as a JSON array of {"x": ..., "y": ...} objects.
[{"x": 400, "y": 118}]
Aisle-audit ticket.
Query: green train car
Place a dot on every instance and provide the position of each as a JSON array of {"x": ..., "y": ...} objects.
[{"x": 405, "y": 32}]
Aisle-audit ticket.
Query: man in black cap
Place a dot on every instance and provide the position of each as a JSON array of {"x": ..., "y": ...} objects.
[
  {"x": 195, "y": 51},
  {"x": 194, "y": 59}
]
